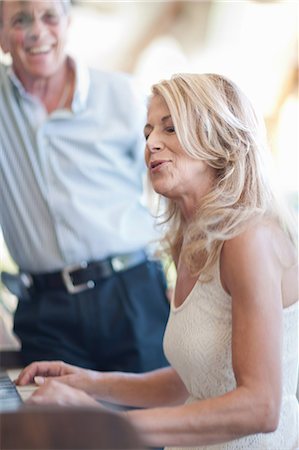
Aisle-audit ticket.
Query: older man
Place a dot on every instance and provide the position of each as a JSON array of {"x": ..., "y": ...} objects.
[{"x": 70, "y": 202}]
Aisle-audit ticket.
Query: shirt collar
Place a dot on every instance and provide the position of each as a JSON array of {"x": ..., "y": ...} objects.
[
  {"x": 16, "y": 82},
  {"x": 82, "y": 84}
]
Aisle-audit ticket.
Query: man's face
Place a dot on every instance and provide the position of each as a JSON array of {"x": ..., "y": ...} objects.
[{"x": 34, "y": 33}]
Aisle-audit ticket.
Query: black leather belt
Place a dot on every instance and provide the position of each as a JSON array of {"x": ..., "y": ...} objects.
[{"x": 80, "y": 277}]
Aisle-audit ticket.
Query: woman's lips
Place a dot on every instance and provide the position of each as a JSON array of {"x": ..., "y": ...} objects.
[{"x": 156, "y": 165}]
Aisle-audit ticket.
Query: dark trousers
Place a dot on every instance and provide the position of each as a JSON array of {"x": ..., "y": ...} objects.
[{"x": 118, "y": 325}]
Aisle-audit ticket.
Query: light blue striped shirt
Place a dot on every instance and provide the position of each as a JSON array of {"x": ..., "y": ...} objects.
[{"x": 71, "y": 181}]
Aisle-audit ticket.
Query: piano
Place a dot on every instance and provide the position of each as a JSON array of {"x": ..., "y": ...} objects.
[{"x": 25, "y": 427}]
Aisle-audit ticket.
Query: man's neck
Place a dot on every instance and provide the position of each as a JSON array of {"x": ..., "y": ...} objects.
[{"x": 55, "y": 91}]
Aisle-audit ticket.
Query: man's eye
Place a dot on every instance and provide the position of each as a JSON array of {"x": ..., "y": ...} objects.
[
  {"x": 21, "y": 21},
  {"x": 51, "y": 18}
]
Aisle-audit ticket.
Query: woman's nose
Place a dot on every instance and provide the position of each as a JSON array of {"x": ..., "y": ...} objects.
[
  {"x": 155, "y": 148},
  {"x": 154, "y": 145}
]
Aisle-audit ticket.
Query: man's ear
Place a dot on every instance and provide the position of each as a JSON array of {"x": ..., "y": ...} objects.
[
  {"x": 69, "y": 20},
  {"x": 3, "y": 41}
]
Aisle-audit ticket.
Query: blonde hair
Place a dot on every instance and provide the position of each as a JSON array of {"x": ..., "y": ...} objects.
[{"x": 215, "y": 122}]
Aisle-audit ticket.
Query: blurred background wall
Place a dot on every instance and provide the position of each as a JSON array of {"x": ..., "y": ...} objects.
[{"x": 253, "y": 42}]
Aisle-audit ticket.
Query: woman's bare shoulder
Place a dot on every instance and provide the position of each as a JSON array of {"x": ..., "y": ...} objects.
[
  {"x": 262, "y": 248},
  {"x": 264, "y": 234},
  {"x": 246, "y": 244}
]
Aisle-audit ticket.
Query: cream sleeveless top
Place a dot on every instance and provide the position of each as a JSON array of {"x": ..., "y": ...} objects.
[{"x": 197, "y": 343}]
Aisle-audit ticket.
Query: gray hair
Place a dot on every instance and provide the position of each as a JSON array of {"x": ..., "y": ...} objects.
[{"x": 66, "y": 5}]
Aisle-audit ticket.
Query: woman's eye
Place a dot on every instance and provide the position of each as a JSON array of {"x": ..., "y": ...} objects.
[
  {"x": 146, "y": 133},
  {"x": 170, "y": 130}
]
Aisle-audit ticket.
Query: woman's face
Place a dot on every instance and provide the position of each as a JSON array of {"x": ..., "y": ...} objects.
[{"x": 173, "y": 173}]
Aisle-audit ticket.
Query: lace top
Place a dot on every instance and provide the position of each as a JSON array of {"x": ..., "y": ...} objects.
[{"x": 197, "y": 343}]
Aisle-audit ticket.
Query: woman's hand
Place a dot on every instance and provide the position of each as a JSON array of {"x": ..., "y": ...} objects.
[
  {"x": 52, "y": 392},
  {"x": 85, "y": 380},
  {"x": 46, "y": 369}
]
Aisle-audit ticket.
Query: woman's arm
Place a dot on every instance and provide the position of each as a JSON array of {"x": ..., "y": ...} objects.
[
  {"x": 156, "y": 388},
  {"x": 252, "y": 276}
]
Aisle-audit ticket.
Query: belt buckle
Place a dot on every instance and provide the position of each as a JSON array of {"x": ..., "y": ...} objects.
[
  {"x": 68, "y": 282},
  {"x": 119, "y": 263}
]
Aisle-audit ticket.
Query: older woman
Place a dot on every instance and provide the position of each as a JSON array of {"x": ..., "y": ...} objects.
[{"x": 231, "y": 334}]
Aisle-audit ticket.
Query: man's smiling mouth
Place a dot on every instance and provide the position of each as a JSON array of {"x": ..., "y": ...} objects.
[{"x": 42, "y": 49}]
